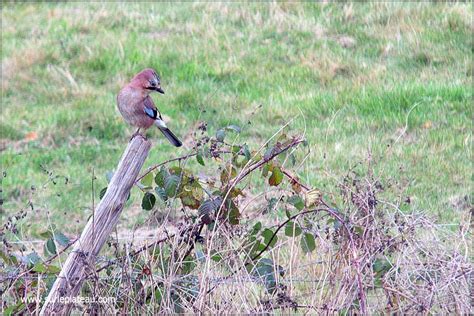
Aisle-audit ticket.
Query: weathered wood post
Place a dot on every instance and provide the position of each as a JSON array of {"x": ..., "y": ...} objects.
[{"x": 97, "y": 230}]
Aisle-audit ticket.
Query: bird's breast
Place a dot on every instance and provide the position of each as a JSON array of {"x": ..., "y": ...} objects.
[{"x": 130, "y": 105}]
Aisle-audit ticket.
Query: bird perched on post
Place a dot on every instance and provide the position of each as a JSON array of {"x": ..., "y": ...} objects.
[{"x": 137, "y": 107}]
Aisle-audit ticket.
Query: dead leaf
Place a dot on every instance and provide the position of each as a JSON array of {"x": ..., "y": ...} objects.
[
  {"x": 31, "y": 136},
  {"x": 312, "y": 196},
  {"x": 296, "y": 186}
]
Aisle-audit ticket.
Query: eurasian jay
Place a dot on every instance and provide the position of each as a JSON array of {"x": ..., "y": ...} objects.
[{"x": 137, "y": 107}]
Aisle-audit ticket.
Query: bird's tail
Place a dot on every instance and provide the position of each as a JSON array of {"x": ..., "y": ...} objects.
[{"x": 168, "y": 134}]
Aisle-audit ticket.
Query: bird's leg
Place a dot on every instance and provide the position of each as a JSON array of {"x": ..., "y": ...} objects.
[{"x": 135, "y": 134}]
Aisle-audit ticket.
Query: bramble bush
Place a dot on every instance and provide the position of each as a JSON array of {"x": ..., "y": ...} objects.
[{"x": 242, "y": 233}]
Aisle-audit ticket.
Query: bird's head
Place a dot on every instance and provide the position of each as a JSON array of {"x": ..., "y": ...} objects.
[{"x": 148, "y": 80}]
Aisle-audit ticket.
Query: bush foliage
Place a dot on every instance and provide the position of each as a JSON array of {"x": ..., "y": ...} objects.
[{"x": 239, "y": 246}]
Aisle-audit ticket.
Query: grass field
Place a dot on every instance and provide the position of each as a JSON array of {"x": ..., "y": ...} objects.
[{"x": 392, "y": 79}]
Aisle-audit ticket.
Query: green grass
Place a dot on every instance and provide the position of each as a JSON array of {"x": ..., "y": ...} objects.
[{"x": 63, "y": 64}]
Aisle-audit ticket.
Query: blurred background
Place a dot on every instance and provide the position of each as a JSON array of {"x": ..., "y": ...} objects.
[{"x": 385, "y": 80}]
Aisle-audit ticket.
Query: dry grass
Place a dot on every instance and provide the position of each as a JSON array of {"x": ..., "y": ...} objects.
[
  {"x": 372, "y": 255},
  {"x": 407, "y": 264}
]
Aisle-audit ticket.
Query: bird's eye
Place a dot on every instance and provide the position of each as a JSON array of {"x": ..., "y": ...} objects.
[{"x": 152, "y": 83}]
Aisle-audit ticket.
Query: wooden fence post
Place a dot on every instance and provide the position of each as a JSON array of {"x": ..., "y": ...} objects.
[{"x": 97, "y": 230}]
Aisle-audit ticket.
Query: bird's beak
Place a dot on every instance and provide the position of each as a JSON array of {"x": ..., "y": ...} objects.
[{"x": 157, "y": 89}]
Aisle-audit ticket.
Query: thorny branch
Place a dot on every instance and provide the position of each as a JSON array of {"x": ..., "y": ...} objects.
[
  {"x": 180, "y": 158},
  {"x": 293, "y": 143},
  {"x": 275, "y": 152}
]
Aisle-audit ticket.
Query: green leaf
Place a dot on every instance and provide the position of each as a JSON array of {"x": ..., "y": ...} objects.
[
  {"x": 234, "y": 216},
  {"x": 265, "y": 169},
  {"x": 271, "y": 205},
  {"x": 235, "y": 192},
  {"x": 62, "y": 239},
  {"x": 296, "y": 201},
  {"x": 377, "y": 266},
  {"x": 211, "y": 226},
  {"x": 14, "y": 309},
  {"x": 39, "y": 267},
  {"x": 200, "y": 159},
  {"x": 276, "y": 177},
  {"x": 197, "y": 191},
  {"x": 207, "y": 208},
  {"x": 50, "y": 269},
  {"x": 220, "y": 135},
  {"x": 161, "y": 193},
  {"x": 102, "y": 193},
  {"x": 46, "y": 234},
  {"x": 188, "y": 264},
  {"x": 210, "y": 205},
  {"x": 233, "y": 212},
  {"x": 228, "y": 173},
  {"x": 253, "y": 246},
  {"x": 32, "y": 258},
  {"x": 147, "y": 180},
  {"x": 308, "y": 244},
  {"x": 8, "y": 259},
  {"x": 171, "y": 185},
  {"x": 47, "y": 269},
  {"x": 246, "y": 151},
  {"x": 235, "y": 149},
  {"x": 176, "y": 170},
  {"x": 261, "y": 247},
  {"x": 267, "y": 234},
  {"x": 148, "y": 201},
  {"x": 9, "y": 310},
  {"x": 292, "y": 229},
  {"x": 234, "y": 128},
  {"x": 161, "y": 176},
  {"x": 267, "y": 237},
  {"x": 264, "y": 270},
  {"x": 359, "y": 230},
  {"x": 256, "y": 228},
  {"x": 187, "y": 199},
  {"x": 381, "y": 266},
  {"x": 292, "y": 160},
  {"x": 159, "y": 294},
  {"x": 51, "y": 246},
  {"x": 216, "y": 257}
]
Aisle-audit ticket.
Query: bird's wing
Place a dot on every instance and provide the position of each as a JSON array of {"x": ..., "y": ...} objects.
[{"x": 150, "y": 108}]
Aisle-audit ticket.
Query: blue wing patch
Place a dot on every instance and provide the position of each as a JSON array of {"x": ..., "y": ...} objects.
[{"x": 151, "y": 113}]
